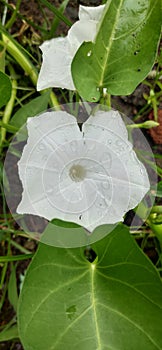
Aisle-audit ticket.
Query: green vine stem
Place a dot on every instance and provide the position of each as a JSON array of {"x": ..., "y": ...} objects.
[
  {"x": 15, "y": 51},
  {"x": 8, "y": 127},
  {"x": 19, "y": 54},
  {"x": 8, "y": 258},
  {"x": 154, "y": 102},
  {"x": 105, "y": 98},
  {"x": 10, "y": 105},
  {"x": 2, "y": 60}
]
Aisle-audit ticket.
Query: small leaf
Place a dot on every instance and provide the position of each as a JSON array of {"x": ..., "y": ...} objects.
[
  {"x": 5, "y": 89},
  {"x": 36, "y": 106},
  {"x": 12, "y": 289},
  {"x": 68, "y": 303},
  {"x": 124, "y": 50},
  {"x": 9, "y": 334}
]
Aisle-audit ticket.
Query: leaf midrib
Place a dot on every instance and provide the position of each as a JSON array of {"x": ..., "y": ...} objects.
[
  {"x": 108, "y": 48},
  {"x": 94, "y": 307}
]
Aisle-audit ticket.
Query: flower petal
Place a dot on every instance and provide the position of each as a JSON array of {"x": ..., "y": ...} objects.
[
  {"x": 46, "y": 135},
  {"x": 79, "y": 32},
  {"x": 91, "y": 13},
  {"x": 105, "y": 126},
  {"x": 58, "y": 53},
  {"x": 56, "y": 67},
  {"x": 109, "y": 129}
]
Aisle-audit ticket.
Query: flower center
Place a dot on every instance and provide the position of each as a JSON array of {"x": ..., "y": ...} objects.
[{"x": 77, "y": 173}]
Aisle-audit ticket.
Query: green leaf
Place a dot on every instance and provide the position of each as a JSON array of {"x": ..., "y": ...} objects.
[
  {"x": 5, "y": 89},
  {"x": 124, "y": 50},
  {"x": 12, "y": 289},
  {"x": 9, "y": 334},
  {"x": 114, "y": 303},
  {"x": 36, "y": 106}
]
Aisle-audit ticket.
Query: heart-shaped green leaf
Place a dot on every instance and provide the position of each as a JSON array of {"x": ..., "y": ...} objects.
[
  {"x": 5, "y": 89},
  {"x": 113, "y": 303},
  {"x": 124, "y": 50}
]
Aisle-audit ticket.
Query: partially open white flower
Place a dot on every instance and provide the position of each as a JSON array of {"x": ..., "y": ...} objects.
[
  {"x": 58, "y": 53},
  {"x": 90, "y": 177}
]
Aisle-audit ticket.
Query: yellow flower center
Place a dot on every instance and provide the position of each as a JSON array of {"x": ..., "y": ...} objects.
[{"x": 77, "y": 173}]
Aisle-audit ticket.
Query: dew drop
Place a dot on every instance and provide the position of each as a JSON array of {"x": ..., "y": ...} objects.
[
  {"x": 105, "y": 185},
  {"x": 89, "y": 53},
  {"x": 100, "y": 203},
  {"x": 41, "y": 146},
  {"x": 136, "y": 52},
  {"x": 109, "y": 142},
  {"x": 49, "y": 190}
]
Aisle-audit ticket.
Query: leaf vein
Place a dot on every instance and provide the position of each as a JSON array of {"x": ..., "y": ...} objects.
[{"x": 132, "y": 322}]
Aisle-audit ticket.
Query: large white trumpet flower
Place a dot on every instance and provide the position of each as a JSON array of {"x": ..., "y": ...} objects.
[
  {"x": 58, "y": 53},
  {"x": 90, "y": 177}
]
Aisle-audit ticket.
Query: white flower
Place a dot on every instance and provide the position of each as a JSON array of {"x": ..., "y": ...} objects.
[
  {"x": 90, "y": 177},
  {"x": 58, "y": 53}
]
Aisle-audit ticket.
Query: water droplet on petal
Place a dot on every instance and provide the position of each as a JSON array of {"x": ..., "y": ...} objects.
[
  {"x": 105, "y": 185},
  {"x": 49, "y": 190},
  {"x": 109, "y": 142},
  {"x": 100, "y": 203},
  {"x": 41, "y": 146}
]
